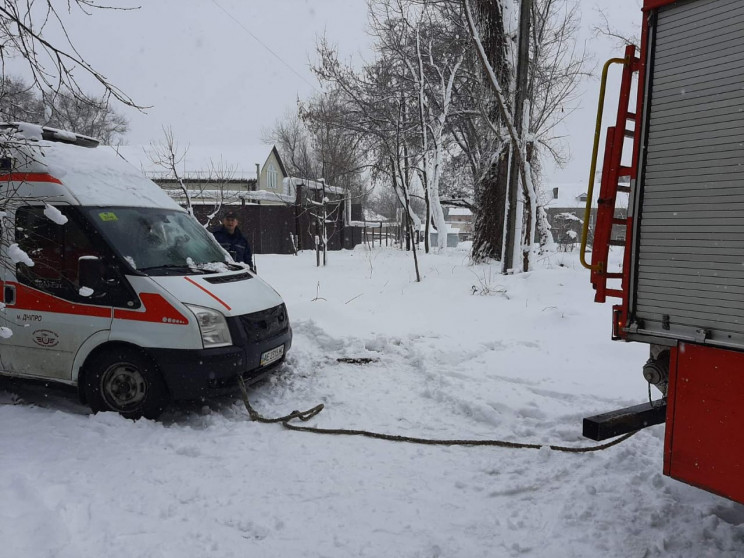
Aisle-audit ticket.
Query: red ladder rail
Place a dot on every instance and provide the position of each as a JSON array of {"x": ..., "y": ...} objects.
[{"x": 612, "y": 171}]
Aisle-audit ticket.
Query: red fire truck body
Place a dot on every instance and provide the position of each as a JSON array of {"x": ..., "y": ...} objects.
[{"x": 681, "y": 286}]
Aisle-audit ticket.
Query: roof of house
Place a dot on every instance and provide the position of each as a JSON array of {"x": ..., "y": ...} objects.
[
  {"x": 570, "y": 195},
  {"x": 275, "y": 151},
  {"x": 229, "y": 197},
  {"x": 464, "y": 211},
  {"x": 292, "y": 183},
  {"x": 236, "y": 161}
]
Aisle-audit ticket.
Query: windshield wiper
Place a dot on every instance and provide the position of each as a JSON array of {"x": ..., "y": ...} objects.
[{"x": 234, "y": 266}]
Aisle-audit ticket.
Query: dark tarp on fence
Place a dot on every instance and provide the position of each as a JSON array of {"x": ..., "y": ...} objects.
[{"x": 270, "y": 229}]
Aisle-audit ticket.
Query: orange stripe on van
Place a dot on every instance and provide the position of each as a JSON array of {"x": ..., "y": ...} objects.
[{"x": 29, "y": 177}]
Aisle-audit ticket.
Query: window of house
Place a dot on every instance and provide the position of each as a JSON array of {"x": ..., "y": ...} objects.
[{"x": 271, "y": 176}]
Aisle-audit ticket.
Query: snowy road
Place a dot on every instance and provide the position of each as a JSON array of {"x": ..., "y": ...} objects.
[{"x": 523, "y": 363}]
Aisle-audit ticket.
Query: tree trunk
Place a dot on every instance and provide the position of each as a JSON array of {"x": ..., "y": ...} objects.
[
  {"x": 490, "y": 201},
  {"x": 488, "y": 234},
  {"x": 516, "y": 186},
  {"x": 427, "y": 200}
]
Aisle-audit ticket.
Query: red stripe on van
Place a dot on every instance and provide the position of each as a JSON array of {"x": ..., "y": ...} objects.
[
  {"x": 156, "y": 308},
  {"x": 206, "y": 291},
  {"x": 29, "y": 177},
  {"x": 28, "y": 298}
]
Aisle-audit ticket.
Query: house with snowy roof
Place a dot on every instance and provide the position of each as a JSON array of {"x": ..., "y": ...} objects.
[
  {"x": 217, "y": 174},
  {"x": 565, "y": 205},
  {"x": 278, "y": 213},
  {"x": 228, "y": 175},
  {"x": 460, "y": 219}
]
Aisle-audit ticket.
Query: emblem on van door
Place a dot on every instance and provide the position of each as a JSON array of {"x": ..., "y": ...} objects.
[{"x": 45, "y": 338}]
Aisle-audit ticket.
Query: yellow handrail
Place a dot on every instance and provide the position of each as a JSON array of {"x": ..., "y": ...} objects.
[{"x": 593, "y": 169}]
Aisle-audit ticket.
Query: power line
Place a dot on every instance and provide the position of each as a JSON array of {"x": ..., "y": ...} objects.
[{"x": 264, "y": 45}]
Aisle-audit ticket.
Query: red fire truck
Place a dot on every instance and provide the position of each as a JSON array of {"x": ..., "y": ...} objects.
[{"x": 677, "y": 151}]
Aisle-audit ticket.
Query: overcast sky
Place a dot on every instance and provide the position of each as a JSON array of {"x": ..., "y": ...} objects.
[{"x": 218, "y": 72}]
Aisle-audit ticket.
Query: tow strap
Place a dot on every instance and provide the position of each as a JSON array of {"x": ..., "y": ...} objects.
[{"x": 305, "y": 416}]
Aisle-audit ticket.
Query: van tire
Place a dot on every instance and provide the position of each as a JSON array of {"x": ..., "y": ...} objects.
[{"x": 126, "y": 381}]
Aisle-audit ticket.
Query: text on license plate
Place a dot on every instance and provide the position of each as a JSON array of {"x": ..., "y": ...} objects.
[{"x": 273, "y": 355}]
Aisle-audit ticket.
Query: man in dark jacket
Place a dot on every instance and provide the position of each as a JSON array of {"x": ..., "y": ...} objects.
[{"x": 232, "y": 240}]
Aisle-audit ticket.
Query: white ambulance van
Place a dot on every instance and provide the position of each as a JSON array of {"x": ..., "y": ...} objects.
[{"x": 110, "y": 286}]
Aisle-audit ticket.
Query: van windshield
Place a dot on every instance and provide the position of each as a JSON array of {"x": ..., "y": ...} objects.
[{"x": 159, "y": 241}]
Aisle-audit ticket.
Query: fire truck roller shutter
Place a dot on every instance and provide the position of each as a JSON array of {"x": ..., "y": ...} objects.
[{"x": 689, "y": 273}]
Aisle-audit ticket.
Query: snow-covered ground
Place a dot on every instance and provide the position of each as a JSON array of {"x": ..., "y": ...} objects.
[{"x": 466, "y": 353}]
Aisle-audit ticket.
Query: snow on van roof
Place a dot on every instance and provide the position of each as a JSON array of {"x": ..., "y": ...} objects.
[{"x": 95, "y": 176}]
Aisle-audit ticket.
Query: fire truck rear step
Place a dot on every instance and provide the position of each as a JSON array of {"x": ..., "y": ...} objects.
[{"x": 622, "y": 421}]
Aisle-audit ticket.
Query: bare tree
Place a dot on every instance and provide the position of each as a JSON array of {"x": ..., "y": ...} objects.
[
  {"x": 375, "y": 105},
  {"x": 168, "y": 155},
  {"x": 607, "y": 29},
  {"x": 338, "y": 150},
  {"x": 553, "y": 72},
  {"x": 384, "y": 202},
  {"x": 316, "y": 150},
  {"x": 292, "y": 138},
  {"x": 91, "y": 116},
  {"x": 482, "y": 156},
  {"x": 19, "y": 102},
  {"x": 315, "y": 147},
  {"x": 210, "y": 188},
  {"x": 416, "y": 39},
  {"x": 53, "y": 67}
]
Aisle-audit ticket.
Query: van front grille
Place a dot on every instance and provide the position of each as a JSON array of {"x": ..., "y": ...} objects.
[{"x": 264, "y": 324}]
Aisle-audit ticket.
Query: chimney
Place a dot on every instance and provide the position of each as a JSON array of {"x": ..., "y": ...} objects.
[{"x": 555, "y": 193}]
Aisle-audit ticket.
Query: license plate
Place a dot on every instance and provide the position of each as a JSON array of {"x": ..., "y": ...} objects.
[{"x": 273, "y": 355}]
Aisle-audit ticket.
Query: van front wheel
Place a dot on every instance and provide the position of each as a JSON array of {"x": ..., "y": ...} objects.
[{"x": 125, "y": 381}]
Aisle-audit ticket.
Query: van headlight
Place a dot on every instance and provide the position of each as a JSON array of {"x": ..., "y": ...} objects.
[{"x": 213, "y": 326}]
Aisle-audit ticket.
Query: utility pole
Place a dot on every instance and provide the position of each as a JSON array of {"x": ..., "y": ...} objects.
[{"x": 523, "y": 60}]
